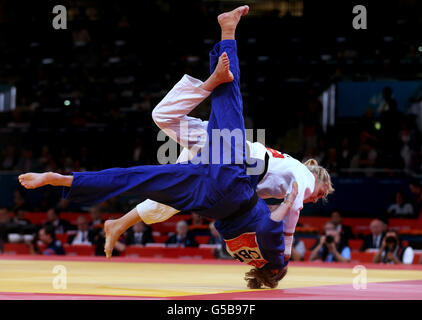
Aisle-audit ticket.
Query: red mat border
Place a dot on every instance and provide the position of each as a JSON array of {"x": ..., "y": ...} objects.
[{"x": 374, "y": 291}]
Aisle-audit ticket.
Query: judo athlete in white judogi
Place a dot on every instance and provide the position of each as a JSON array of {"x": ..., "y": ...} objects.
[{"x": 274, "y": 170}]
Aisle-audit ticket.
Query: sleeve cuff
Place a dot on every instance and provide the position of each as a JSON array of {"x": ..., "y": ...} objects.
[{"x": 196, "y": 83}]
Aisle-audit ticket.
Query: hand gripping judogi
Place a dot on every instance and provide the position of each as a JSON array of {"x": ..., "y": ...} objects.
[{"x": 222, "y": 191}]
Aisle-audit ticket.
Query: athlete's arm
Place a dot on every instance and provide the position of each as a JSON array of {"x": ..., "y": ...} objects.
[
  {"x": 292, "y": 217},
  {"x": 284, "y": 208}
]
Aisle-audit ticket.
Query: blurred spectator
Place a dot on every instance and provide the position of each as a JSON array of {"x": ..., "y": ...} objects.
[
  {"x": 390, "y": 120},
  {"x": 408, "y": 139},
  {"x": 9, "y": 158},
  {"x": 83, "y": 234},
  {"x": 19, "y": 201},
  {"x": 368, "y": 121},
  {"x": 345, "y": 154},
  {"x": 197, "y": 219},
  {"x": 345, "y": 231},
  {"x": 4, "y": 215},
  {"x": 80, "y": 36},
  {"x": 4, "y": 226},
  {"x": 298, "y": 250},
  {"x": 47, "y": 237},
  {"x": 331, "y": 162},
  {"x": 65, "y": 205},
  {"x": 374, "y": 240},
  {"x": 388, "y": 107},
  {"x": 140, "y": 233},
  {"x": 137, "y": 151},
  {"x": 26, "y": 162},
  {"x": 385, "y": 225},
  {"x": 389, "y": 114},
  {"x": 331, "y": 247},
  {"x": 198, "y": 225},
  {"x": 98, "y": 241},
  {"x": 400, "y": 208},
  {"x": 393, "y": 251},
  {"x": 220, "y": 251},
  {"x": 96, "y": 217},
  {"x": 112, "y": 205},
  {"x": 388, "y": 102},
  {"x": 365, "y": 158},
  {"x": 416, "y": 189},
  {"x": 183, "y": 236},
  {"x": 50, "y": 198},
  {"x": 45, "y": 158},
  {"x": 53, "y": 219},
  {"x": 215, "y": 237},
  {"x": 20, "y": 226}
]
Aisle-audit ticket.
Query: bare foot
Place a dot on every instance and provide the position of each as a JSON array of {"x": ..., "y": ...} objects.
[
  {"x": 222, "y": 71},
  {"x": 221, "y": 74},
  {"x": 228, "y": 20},
  {"x": 36, "y": 180},
  {"x": 113, "y": 233}
]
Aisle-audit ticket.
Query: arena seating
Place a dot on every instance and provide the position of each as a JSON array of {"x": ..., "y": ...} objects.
[
  {"x": 355, "y": 244},
  {"x": 202, "y": 239},
  {"x": 196, "y": 253},
  {"x": 39, "y": 218},
  {"x": 161, "y": 231},
  {"x": 309, "y": 242},
  {"x": 62, "y": 237},
  {"x": 79, "y": 250},
  {"x": 15, "y": 248},
  {"x": 359, "y": 225},
  {"x": 163, "y": 238},
  {"x": 160, "y": 239}
]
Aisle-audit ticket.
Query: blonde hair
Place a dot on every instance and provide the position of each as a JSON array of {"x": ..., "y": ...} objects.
[{"x": 321, "y": 174}]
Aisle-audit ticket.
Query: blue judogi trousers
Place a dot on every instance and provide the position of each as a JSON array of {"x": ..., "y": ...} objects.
[{"x": 215, "y": 190}]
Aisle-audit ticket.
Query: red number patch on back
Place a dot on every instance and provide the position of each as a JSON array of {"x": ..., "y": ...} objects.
[
  {"x": 245, "y": 249},
  {"x": 275, "y": 153}
]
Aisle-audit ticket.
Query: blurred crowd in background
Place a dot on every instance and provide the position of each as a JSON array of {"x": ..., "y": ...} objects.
[
  {"x": 85, "y": 94},
  {"x": 332, "y": 244}
]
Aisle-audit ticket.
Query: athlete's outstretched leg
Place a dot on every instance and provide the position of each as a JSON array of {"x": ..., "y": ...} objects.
[
  {"x": 36, "y": 180},
  {"x": 228, "y": 22},
  {"x": 221, "y": 73},
  {"x": 226, "y": 119},
  {"x": 169, "y": 184},
  {"x": 114, "y": 228}
]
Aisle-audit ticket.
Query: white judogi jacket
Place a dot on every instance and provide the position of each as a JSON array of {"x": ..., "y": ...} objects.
[{"x": 171, "y": 116}]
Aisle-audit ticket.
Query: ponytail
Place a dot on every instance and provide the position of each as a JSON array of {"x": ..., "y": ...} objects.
[
  {"x": 321, "y": 174},
  {"x": 311, "y": 162}
]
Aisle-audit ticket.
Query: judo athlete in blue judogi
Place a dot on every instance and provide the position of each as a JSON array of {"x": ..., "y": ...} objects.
[{"x": 214, "y": 184}]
